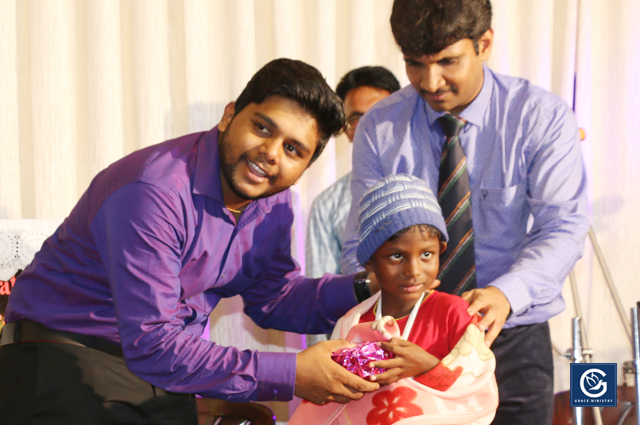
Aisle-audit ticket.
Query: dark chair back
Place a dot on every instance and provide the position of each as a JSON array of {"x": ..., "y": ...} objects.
[{"x": 221, "y": 412}]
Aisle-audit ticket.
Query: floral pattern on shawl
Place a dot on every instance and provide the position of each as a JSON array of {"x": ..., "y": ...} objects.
[{"x": 392, "y": 406}]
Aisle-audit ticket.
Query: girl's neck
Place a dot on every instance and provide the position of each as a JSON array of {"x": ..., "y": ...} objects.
[{"x": 395, "y": 307}]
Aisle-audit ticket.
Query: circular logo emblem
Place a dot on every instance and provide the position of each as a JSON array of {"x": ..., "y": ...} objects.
[{"x": 592, "y": 383}]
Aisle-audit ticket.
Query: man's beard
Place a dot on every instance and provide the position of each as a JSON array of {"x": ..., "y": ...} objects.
[{"x": 228, "y": 169}]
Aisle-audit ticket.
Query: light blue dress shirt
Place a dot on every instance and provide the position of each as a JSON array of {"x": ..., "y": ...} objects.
[
  {"x": 325, "y": 231},
  {"x": 527, "y": 177}
]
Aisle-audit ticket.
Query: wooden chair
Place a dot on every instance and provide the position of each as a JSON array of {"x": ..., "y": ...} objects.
[{"x": 221, "y": 412}]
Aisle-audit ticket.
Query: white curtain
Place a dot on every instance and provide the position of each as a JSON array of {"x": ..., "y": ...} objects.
[
  {"x": 607, "y": 100},
  {"x": 84, "y": 82}
]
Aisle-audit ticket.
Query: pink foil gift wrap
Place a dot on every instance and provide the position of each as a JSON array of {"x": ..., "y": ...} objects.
[{"x": 356, "y": 360}]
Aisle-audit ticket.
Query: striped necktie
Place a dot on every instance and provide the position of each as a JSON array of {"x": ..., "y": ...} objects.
[{"x": 458, "y": 264}]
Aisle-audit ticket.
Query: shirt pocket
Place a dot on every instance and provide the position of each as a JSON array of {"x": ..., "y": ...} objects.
[{"x": 500, "y": 215}]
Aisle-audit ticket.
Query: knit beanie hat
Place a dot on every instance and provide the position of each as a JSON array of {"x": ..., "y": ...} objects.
[{"x": 394, "y": 203}]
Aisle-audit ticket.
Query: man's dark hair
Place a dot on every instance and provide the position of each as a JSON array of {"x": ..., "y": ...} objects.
[
  {"x": 303, "y": 84},
  {"x": 367, "y": 76},
  {"x": 425, "y": 27}
]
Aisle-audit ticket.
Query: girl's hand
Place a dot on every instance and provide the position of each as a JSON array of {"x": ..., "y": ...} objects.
[{"x": 410, "y": 360}]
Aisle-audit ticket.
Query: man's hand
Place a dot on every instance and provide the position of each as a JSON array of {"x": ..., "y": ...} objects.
[
  {"x": 492, "y": 303},
  {"x": 319, "y": 379},
  {"x": 410, "y": 360}
]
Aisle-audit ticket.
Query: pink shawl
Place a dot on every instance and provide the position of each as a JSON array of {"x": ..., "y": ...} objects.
[{"x": 472, "y": 398}]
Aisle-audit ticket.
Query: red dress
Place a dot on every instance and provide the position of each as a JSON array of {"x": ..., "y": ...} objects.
[{"x": 440, "y": 323}]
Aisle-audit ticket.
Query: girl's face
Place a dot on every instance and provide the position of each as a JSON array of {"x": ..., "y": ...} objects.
[{"x": 405, "y": 268}]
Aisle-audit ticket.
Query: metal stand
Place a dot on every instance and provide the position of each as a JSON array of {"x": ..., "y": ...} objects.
[
  {"x": 632, "y": 329},
  {"x": 576, "y": 357},
  {"x": 577, "y": 354},
  {"x": 609, "y": 280},
  {"x": 636, "y": 355},
  {"x": 578, "y": 311}
]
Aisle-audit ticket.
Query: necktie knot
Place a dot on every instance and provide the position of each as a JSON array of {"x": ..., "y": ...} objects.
[{"x": 451, "y": 125}]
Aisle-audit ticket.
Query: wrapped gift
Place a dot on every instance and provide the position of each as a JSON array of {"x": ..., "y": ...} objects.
[{"x": 356, "y": 360}]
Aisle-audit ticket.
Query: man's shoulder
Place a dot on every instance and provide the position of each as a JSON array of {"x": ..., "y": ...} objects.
[
  {"x": 171, "y": 161},
  {"x": 337, "y": 191},
  {"x": 158, "y": 168},
  {"x": 168, "y": 165},
  {"x": 520, "y": 94},
  {"x": 399, "y": 103}
]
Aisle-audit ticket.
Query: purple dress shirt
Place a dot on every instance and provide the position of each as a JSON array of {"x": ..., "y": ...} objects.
[
  {"x": 148, "y": 252},
  {"x": 527, "y": 178}
]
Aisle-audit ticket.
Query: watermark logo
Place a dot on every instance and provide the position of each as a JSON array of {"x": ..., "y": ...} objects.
[{"x": 593, "y": 384}]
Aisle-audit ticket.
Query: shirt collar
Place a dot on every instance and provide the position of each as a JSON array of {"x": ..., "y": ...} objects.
[
  {"x": 207, "y": 179},
  {"x": 207, "y": 176},
  {"x": 474, "y": 113}
]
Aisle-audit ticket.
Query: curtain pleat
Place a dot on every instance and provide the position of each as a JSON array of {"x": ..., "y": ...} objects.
[
  {"x": 54, "y": 106},
  {"x": 10, "y": 183},
  {"x": 102, "y": 99}
]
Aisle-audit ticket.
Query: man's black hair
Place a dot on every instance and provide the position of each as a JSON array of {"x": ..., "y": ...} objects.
[
  {"x": 425, "y": 27},
  {"x": 367, "y": 76},
  {"x": 303, "y": 84}
]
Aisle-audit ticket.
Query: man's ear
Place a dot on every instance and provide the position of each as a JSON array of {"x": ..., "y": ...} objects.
[
  {"x": 443, "y": 247},
  {"x": 485, "y": 43},
  {"x": 229, "y": 111}
]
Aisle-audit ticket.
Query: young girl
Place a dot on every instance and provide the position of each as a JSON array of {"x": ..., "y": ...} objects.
[{"x": 442, "y": 372}]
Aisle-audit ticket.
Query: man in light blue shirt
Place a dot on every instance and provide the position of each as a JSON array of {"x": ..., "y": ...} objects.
[
  {"x": 527, "y": 179},
  {"x": 359, "y": 90}
]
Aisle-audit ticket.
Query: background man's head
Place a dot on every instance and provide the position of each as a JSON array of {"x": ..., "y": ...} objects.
[
  {"x": 360, "y": 89},
  {"x": 444, "y": 43}
]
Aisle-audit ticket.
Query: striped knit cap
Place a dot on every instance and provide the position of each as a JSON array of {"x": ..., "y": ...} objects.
[{"x": 394, "y": 203}]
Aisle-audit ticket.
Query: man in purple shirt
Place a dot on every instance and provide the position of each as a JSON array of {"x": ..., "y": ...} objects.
[
  {"x": 526, "y": 177},
  {"x": 104, "y": 326}
]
